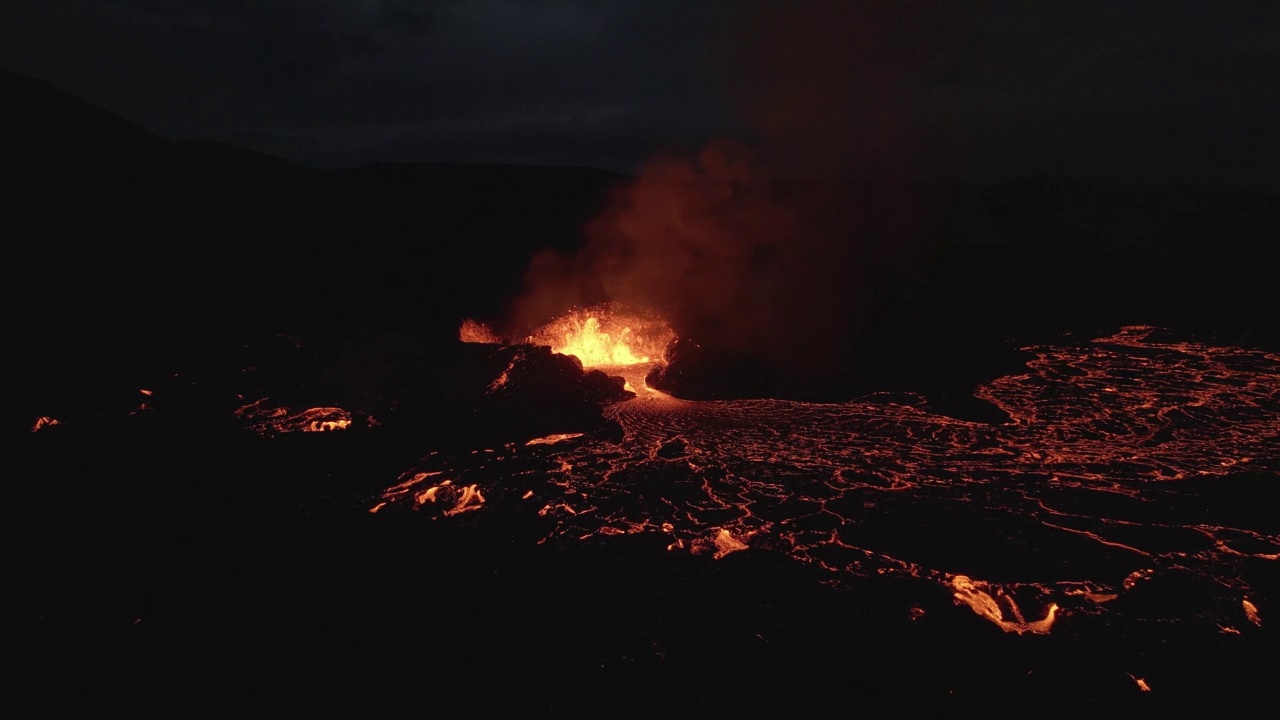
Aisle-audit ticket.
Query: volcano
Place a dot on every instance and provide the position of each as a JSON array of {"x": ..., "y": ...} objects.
[{"x": 276, "y": 466}]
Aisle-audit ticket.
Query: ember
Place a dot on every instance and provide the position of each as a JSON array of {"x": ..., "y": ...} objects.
[{"x": 474, "y": 332}]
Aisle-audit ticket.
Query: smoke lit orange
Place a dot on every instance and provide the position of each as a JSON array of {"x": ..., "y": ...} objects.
[{"x": 474, "y": 332}]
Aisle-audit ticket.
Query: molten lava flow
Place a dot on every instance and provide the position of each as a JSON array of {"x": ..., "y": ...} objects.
[
  {"x": 976, "y": 596},
  {"x": 43, "y": 422},
  {"x": 604, "y": 336},
  {"x": 318, "y": 419},
  {"x": 553, "y": 439},
  {"x": 267, "y": 420},
  {"x": 727, "y": 543},
  {"x": 1077, "y": 505},
  {"x": 1251, "y": 612}
]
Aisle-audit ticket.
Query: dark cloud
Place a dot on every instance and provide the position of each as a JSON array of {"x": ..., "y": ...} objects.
[
  {"x": 356, "y": 77},
  {"x": 989, "y": 89},
  {"x": 1164, "y": 90},
  {"x": 408, "y": 17},
  {"x": 980, "y": 89}
]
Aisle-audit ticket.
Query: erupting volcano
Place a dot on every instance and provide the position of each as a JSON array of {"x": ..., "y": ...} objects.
[
  {"x": 1087, "y": 514},
  {"x": 849, "y": 358}
]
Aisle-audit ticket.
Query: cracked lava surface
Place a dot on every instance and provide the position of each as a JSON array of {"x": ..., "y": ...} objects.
[{"x": 1129, "y": 462}]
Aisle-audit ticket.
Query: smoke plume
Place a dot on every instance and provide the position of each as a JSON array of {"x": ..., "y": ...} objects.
[{"x": 755, "y": 247}]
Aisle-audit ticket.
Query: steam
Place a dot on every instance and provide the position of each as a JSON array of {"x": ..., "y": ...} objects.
[
  {"x": 726, "y": 252},
  {"x": 735, "y": 250}
]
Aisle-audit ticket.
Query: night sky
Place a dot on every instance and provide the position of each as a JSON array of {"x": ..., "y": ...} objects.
[{"x": 1177, "y": 91}]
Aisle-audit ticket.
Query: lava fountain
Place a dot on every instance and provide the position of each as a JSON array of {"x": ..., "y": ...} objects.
[
  {"x": 607, "y": 337},
  {"x": 620, "y": 341}
]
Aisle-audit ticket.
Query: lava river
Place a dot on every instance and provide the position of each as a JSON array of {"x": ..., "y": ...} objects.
[{"x": 1128, "y": 463}]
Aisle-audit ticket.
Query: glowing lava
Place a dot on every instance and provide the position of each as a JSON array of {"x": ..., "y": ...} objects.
[
  {"x": 267, "y": 420},
  {"x": 553, "y": 439},
  {"x": 1251, "y": 612},
  {"x": 627, "y": 343},
  {"x": 604, "y": 336},
  {"x": 1073, "y": 508},
  {"x": 978, "y": 596}
]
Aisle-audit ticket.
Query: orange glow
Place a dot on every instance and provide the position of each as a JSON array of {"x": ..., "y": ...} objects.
[
  {"x": 718, "y": 545},
  {"x": 44, "y": 422},
  {"x": 977, "y": 596},
  {"x": 1251, "y": 612},
  {"x": 603, "y": 336},
  {"x": 553, "y": 439},
  {"x": 460, "y": 499},
  {"x": 727, "y": 543},
  {"x": 143, "y": 406},
  {"x": 266, "y": 420},
  {"x": 474, "y": 332},
  {"x": 317, "y": 421}
]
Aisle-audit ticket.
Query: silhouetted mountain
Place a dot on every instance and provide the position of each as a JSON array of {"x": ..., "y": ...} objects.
[
  {"x": 140, "y": 252},
  {"x": 52, "y": 136},
  {"x": 55, "y": 139},
  {"x": 208, "y": 162}
]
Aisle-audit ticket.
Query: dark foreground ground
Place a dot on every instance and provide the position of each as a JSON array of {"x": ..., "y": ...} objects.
[{"x": 193, "y": 577}]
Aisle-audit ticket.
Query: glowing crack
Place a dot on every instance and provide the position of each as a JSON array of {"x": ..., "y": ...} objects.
[{"x": 1103, "y": 437}]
